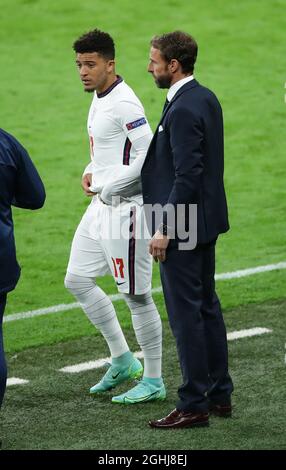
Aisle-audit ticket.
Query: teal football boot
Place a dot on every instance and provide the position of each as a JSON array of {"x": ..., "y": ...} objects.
[
  {"x": 116, "y": 375},
  {"x": 143, "y": 392}
]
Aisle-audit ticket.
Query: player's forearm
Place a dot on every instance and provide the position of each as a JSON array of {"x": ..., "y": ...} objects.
[
  {"x": 88, "y": 169},
  {"x": 95, "y": 188},
  {"x": 127, "y": 181}
]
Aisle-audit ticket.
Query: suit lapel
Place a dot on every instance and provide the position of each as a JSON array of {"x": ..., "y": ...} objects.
[
  {"x": 192, "y": 84},
  {"x": 188, "y": 86}
]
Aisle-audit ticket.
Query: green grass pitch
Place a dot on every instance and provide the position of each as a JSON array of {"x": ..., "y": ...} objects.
[{"x": 242, "y": 59}]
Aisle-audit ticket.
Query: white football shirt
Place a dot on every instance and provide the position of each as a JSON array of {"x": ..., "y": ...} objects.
[{"x": 116, "y": 119}]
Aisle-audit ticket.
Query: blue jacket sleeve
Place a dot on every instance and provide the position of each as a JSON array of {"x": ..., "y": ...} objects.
[{"x": 29, "y": 188}]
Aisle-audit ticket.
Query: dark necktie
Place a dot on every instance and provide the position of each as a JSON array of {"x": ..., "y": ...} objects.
[{"x": 165, "y": 105}]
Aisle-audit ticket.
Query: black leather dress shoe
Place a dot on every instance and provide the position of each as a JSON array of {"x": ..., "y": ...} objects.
[
  {"x": 223, "y": 411},
  {"x": 181, "y": 419}
]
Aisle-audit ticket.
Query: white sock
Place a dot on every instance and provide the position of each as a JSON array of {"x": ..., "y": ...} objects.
[
  {"x": 100, "y": 311},
  {"x": 148, "y": 330}
]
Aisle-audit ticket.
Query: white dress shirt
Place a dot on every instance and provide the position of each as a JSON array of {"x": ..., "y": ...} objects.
[{"x": 174, "y": 88}]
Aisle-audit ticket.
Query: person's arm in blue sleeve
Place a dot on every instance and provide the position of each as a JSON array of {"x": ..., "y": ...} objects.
[{"x": 29, "y": 188}]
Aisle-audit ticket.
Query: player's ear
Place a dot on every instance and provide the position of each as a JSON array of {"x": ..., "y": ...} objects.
[{"x": 110, "y": 65}]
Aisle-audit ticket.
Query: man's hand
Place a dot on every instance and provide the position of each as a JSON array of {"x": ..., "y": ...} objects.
[
  {"x": 86, "y": 183},
  {"x": 158, "y": 246}
]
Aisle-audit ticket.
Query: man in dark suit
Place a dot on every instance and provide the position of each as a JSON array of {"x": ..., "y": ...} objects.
[
  {"x": 184, "y": 166},
  {"x": 21, "y": 186}
]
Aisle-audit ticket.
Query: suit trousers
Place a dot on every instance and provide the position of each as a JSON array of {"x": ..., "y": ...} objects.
[
  {"x": 197, "y": 324},
  {"x": 3, "y": 366}
]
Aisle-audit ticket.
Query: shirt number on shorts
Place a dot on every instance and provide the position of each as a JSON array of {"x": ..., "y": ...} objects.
[{"x": 118, "y": 266}]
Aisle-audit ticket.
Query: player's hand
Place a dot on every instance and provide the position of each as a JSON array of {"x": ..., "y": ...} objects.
[
  {"x": 86, "y": 183},
  {"x": 158, "y": 246}
]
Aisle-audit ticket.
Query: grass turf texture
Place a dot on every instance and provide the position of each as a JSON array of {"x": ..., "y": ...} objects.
[
  {"x": 53, "y": 328},
  {"x": 241, "y": 58},
  {"x": 55, "y": 410}
]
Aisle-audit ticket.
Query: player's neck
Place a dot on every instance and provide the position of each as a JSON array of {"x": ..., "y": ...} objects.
[{"x": 112, "y": 79}]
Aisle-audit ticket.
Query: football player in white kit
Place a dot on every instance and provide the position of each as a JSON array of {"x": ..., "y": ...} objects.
[{"x": 119, "y": 137}]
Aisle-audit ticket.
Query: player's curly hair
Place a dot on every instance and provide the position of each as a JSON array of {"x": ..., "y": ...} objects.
[
  {"x": 177, "y": 45},
  {"x": 95, "y": 41}
]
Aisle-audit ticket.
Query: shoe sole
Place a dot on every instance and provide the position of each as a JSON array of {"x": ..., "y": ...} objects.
[
  {"x": 99, "y": 392},
  {"x": 195, "y": 425},
  {"x": 126, "y": 402}
]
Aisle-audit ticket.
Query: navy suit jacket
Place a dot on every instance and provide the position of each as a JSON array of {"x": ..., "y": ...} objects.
[
  {"x": 185, "y": 160},
  {"x": 21, "y": 186}
]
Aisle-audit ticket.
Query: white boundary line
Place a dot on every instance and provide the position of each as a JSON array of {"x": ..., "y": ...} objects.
[
  {"x": 90, "y": 365},
  {"x": 83, "y": 366},
  {"x": 114, "y": 298},
  {"x": 247, "y": 333},
  {"x": 16, "y": 381}
]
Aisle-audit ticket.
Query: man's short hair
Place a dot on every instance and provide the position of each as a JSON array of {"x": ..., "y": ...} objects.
[
  {"x": 96, "y": 41},
  {"x": 177, "y": 45}
]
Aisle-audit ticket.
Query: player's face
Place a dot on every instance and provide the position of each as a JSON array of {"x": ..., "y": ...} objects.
[
  {"x": 94, "y": 70},
  {"x": 159, "y": 69}
]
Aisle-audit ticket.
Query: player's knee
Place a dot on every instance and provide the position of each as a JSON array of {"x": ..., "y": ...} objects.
[
  {"x": 140, "y": 300},
  {"x": 78, "y": 284},
  {"x": 69, "y": 282},
  {"x": 145, "y": 316}
]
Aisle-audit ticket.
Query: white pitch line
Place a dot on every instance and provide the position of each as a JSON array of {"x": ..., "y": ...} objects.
[
  {"x": 250, "y": 271},
  {"x": 16, "y": 381},
  {"x": 114, "y": 298},
  {"x": 247, "y": 333},
  {"x": 83, "y": 366}
]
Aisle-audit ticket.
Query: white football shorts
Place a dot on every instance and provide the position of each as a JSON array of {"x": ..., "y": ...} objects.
[{"x": 113, "y": 240}]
